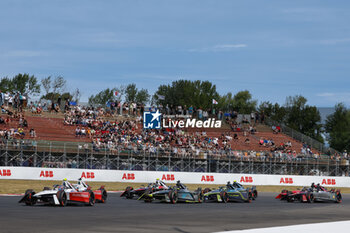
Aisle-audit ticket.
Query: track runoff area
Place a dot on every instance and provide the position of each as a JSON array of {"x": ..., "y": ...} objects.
[{"x": 118, "y": 214}]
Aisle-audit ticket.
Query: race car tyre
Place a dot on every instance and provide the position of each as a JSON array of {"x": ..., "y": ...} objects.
[
  {"x": 339, "y": 197},
  {"x": 250, "y": 197},
  {"x": 103, "y": 195},
  {"x": 127, "y": 193},
  {"x": 29, "y": 197},
  {"x": 255, "y": 192},
  {"x": 173, "y": 196},
  {"x": 224, "y": 196},
  {"x": 62, "y": 197},
  {"x": 91, "y": 198},
  {"x": 206, "y": 190},
  {"x": 200, "y": 195},
  {"x": 289, "y": 199},
  {"x": 310, "y": 198}
]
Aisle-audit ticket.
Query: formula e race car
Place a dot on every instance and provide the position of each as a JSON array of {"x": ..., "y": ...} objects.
[
  {"x": 100, "y": 194},
  {"x": 315, "y": 193},
  {"x": 178, "y": 193},
  {"x": 130, "y": 192},
  {"x": 60, "y": 195},
  {"x": 231, "y": 192}
]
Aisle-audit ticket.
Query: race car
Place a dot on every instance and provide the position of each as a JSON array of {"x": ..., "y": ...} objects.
[
  {"x": 315, "y": 193},
  {"x": 130, "y": 192},
  {"x": 60, "y": 195},
  {"x": 230, "y": 192},
  {"x": 100, "y": 194},
  {"x": 178, "y": 193}
]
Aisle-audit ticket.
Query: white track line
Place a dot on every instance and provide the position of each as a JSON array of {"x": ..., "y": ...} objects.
[{"x": 327, "y": 227}]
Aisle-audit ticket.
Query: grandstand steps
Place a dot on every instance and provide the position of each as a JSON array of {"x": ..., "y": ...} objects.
[
  {"x": 263, "y": 128},
  {"x": 53, "y": 129}
]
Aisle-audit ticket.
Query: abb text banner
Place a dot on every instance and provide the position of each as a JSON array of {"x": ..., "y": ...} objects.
[{"x": 30, "y": 173}]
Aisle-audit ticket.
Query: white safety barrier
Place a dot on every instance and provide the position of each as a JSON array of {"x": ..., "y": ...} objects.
[{"x": 33, "y": 173}]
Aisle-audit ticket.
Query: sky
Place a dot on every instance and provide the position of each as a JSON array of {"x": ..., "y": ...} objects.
[{"x": 274, "y": 49}]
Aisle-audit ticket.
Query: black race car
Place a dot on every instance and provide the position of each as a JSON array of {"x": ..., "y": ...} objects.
[
  {"x": 178, "y": 193},
  {"x": 130, "y": 192}
]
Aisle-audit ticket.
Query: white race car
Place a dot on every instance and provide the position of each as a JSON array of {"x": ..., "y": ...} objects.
[{"x": 60, "y": 195}]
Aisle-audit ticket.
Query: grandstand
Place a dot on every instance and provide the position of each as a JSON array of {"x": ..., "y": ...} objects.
[{"x": 56, "y": 145}]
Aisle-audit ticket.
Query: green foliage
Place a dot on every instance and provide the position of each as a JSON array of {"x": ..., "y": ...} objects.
[
  {"x": 23, "y": 83},
  {"x": 187, "y": 93},
  {"x": 297, "y": 115},
  {"x": 131, "y": 92},
  {"x": 102, "y": 97},
  {"x": 274, "y": 111},
  {"x": 243, "y": 103},
  {"x": 142, "y": 96},
  {"x": 338, "y": 128},
  {"x": 54, "y": 96}
]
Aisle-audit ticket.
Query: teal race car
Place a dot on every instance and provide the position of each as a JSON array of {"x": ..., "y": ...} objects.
[{"x": 231, "y": 192}]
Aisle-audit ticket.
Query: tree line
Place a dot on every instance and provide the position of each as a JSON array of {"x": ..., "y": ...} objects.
[{"x": 294, "y": 113}]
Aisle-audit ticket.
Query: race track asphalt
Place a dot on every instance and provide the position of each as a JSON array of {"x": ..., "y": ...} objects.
[{"x": 121, "y": 215}]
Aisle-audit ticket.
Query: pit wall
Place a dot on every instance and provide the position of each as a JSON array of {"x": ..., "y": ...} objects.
[{"x": 31, "y": 173}]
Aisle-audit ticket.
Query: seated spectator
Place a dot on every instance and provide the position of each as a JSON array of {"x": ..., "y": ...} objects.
[{"x": 32, "y": 133}]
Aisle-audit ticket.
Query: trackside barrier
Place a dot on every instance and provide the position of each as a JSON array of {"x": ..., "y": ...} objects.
[{"x": 31, "y": 173}]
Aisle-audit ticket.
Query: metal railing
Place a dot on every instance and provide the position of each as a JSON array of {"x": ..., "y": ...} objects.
[
  {"x": 77, "y": 155},
  {"x": 301, "y": 137}
]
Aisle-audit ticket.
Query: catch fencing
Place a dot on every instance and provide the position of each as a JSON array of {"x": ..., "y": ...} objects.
[{"x": 27, "y": 153}]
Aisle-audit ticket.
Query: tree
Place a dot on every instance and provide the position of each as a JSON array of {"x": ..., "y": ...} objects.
[
  {"x": 243, "y": 102},
  {"x": 274, "y": 111},
  {"x": 46, "y": 83},
  {"x": 338, "y": 128},
  {"x": 76, "y": 95},
  {"x": 102, "y": 97},
  {"x": 197, "y": 93},
  {"x": 58, "y": 84},
  {"x": 142, "y": 96},
  {"x": 302, "y": 117},
  {"x": 131, "y": 92},
  {"x": 22, "y": 83},
  {"x": 6, "y": 84}
]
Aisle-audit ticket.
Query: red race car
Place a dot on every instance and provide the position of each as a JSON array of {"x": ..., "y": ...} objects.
[
  {"x": 100, "y": 194},
  {"x": 315, "y": 193}
]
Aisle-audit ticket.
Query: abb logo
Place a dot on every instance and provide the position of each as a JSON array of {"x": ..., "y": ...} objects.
[
  {"x": 168, "y": 177},
  {"x": 207, "y": 178},
  {"x": 286, "y": 181},
  {"x": 128, "y": 176},
  {"x": 5, "y": 172},
  {"x": 328, "y": 181},
  {"x": 46, "y": 174},
  {"x": 246, "y": 179},
  {"x": 88, "y": 175}
]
